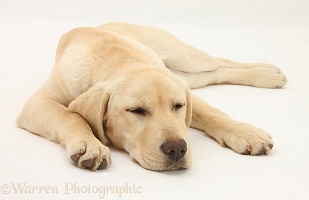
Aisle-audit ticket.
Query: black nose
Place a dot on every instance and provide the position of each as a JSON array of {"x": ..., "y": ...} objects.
[{"x": 174, "y": 149}]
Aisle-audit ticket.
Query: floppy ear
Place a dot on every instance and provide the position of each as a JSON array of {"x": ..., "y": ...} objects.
[
  {"x": 92, "y": 105},
  {"x": 189, "y": 107}
]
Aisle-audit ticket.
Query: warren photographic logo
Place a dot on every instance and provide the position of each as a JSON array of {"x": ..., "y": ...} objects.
[{"x": 71, "y": 189}]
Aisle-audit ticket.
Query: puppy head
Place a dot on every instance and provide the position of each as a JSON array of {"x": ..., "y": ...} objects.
[
  {"x": 144, "y": 111},
  {"x": 148, "y": 114}
]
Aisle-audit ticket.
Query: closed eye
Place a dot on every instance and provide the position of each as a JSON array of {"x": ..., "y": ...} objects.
[
  {"x": 178, "y": 106},
  {"x": 137, "y": 110}
]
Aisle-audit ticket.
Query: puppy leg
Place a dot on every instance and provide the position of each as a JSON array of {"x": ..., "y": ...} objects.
[
  {"x": 199, "y": 69},
  {"x": 46, "y": 117},
  {"x": 241, "y": 137},
  {"x": 195, "y": 66},
  {"x": 265, "y": 77}
]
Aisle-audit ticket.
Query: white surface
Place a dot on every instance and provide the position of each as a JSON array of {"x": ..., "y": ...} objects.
[{"x": 274, "y": 31}]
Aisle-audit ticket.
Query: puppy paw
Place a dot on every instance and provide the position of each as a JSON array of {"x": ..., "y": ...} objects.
[
  {"x": 247, "y": 139},
  {"x": 89, "y": 154},
  {"x": 269, "y": 76}
]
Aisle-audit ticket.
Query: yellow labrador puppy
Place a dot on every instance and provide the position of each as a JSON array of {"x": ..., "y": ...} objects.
[{"x": 129, "y": 84}]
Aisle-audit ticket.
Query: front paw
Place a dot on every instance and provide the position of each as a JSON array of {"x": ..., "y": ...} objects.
[
  {"x": 90, "y": 154},
  {"x": 246, "y": 139}
]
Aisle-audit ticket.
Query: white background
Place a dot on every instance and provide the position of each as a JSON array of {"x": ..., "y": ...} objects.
[{"x": 273, "y": 31}]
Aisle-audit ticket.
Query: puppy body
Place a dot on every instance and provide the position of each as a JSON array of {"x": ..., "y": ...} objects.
[{"x": 129, "y": 84}]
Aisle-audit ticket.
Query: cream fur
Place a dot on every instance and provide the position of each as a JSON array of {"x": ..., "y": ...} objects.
[{"x": 103, "y": 75}]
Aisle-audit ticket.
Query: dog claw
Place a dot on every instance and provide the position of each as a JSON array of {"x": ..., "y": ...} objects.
[
  {"x": 223, "y": 144},
  {"x": 76, "y": 157},
  {"x": 270, "y": 146},
  {"x": 88, "y": 163},
  {"x": 247, "y": 151},
  {"x": 261, "y": 152},
  {"x": 103, "y": 165}
]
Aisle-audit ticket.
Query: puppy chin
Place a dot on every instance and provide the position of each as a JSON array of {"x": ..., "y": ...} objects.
[
  {"x": 168, "y": 167},
  {"x": 176, "y": 167},
  {"x": 166, "y": 164}
]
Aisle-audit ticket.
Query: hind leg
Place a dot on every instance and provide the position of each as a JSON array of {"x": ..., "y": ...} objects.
[
  {"x": 259, "y": 76},
  {"x": 199, "y": 69},
  {"x": 195, "y": 66}
]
